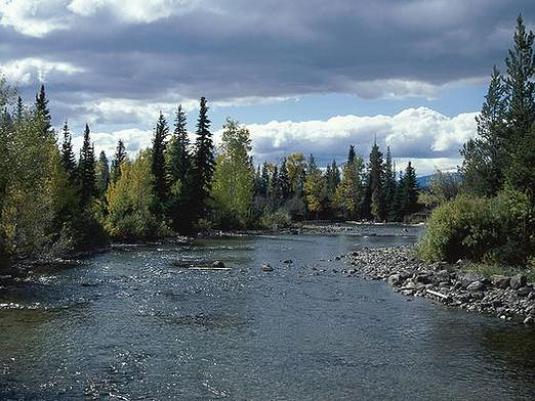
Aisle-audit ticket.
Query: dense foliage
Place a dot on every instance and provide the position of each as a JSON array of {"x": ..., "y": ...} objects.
[
  {"x": 53, "y": 202},
  {"x": 494, "y": 217}
]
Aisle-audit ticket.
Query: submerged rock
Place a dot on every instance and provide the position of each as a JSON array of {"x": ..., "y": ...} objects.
[
  {"x": 266, "y": 267},
  {"x": 217, "y": 264}
]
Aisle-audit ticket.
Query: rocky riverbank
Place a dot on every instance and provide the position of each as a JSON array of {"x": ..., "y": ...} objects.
[{"x": 506, "y": 297}]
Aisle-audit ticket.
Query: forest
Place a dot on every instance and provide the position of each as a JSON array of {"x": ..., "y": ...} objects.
[{"x": 55, "y": 202}]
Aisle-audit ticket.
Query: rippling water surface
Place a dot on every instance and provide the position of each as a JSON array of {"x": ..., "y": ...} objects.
[{"x": 129, "y": 325}]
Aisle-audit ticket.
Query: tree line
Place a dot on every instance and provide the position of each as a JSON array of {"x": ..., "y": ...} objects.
[{"x": 53, "y": 200}]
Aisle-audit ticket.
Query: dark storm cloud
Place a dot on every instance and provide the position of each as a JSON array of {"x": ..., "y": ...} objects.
[{"x": 230, "y": 49}]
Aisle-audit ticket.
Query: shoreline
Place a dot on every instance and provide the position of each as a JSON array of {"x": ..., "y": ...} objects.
[{"x": 453, "y": 285}]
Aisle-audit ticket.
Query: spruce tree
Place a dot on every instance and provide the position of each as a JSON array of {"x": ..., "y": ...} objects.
[
  {"x": 86, "y": 170},
  {"x": 68, "y": 160},
  {"x": 158, "y": 167},
  {"x": 284, "y": 180},
  {"x": 375, "y": 180},
  {"x": 119, "y": 158},
  {"x": 485, "y": 157},
  {"x": 389, "y": 184},
  {"x": 179, "y": 170},
  {"x": 43, "y": 114},
  {"x": 20, "y": 110},
  {"x": 204, "y": 162},
  {"x": 103, "y": 174},
  {"x": 410, "y": 191}
]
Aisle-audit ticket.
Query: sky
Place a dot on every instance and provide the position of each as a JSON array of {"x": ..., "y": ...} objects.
[{"x": 304, "y": 75}]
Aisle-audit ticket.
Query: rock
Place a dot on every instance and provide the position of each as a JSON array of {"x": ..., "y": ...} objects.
[
  {"x": 217, "y": 264},
  {"x": 529, "y": 320},
  {"x": 266, "y": 267},
  {"x": 424, "y": 278},
  {"x": 394, "y": 280},
  {"x": 500, "y": 281},
  {"x": 523, "y": 291},
  {"x": 468, "y": 278},
  {"x": 517, "y": 281},
  {"x": 475, "y": 286},
  {"x": 531, "y": 296},
  {"x": 288, "y": 261}
]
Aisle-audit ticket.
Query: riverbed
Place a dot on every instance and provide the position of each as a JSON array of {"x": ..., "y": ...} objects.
[{"x": 131, "y": 325}]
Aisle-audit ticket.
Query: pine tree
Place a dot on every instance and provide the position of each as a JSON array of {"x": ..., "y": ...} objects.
[
  {"x": 43, "y": 114},
  {"x": 350, "y": 191},
  {"x": 68, "y": 160},
  {"x": 86, "y": 170},
  {"x": 485, "y": 157},
  {"x": 315, "y": 193},
  {"x": 410, "y": 191},
  {"x": 179, "y": 170},
  {"x": 284, "y": 179},
  {"x": 376, "y": 174},
  {"x": 204, "y": 162},
  {"x": 396, "y": 212},
  {"x": 521, "y": 113},
  {"x": 119, "y": 158},
  {"x": 20, "y": 110},
  {"x": 158, "y": 167},
  {"x": 389, "y": 184},
  {"x": 103, "y": 174}
]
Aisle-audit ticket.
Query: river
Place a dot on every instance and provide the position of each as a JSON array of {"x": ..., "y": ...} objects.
[{"x": 129, "y": 325}]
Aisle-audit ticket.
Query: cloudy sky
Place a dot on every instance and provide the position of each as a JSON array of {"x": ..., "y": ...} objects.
[{"x": 308, "y": 75}]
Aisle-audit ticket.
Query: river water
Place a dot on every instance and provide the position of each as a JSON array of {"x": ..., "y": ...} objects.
[{"x": 129, "y": 325}]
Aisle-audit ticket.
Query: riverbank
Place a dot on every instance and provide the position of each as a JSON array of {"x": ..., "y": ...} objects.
[{"x": 507, "y": 297}]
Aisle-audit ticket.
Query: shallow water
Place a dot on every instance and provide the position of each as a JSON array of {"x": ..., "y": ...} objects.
[{"x": 129, "y": 325}]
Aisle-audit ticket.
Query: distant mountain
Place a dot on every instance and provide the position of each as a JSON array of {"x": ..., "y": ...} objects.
[{"x": 424, "y": 181}]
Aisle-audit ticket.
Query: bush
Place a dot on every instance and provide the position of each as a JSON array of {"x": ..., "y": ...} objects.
[
  {"x": 497, "y": 230},
  {"x": 462, "y": 228},
  {"x": 275, "y": 220}
]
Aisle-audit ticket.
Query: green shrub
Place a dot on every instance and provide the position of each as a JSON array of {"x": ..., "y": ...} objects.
[
  {"x": 496, "y": 230},
  {"x": 461, "y": 228},
  {"x": 275, "y": 220}
]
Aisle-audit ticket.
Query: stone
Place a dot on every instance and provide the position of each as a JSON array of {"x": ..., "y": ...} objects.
[
  {"x": 288, "y": 261},
  {"x": 529, "y": 320},
  {"x": 468, "y": 278},
  {"x": 218, "y": 265},
  {"x": 500, "y": 281},
  {"x": 475, "y": 286},
  {"x": 518, "y": 281},
  {"x": 394, "y": 280},
  {"x": 531, "y": 296},
  {"x": 523, "y": 291},
  {"x": 266, "y": 267}
]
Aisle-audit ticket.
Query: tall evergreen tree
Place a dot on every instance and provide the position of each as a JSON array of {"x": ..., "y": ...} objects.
[
  {"x": 485, "y": 157},
  {"x": 284, "y": 178},
  {"x": 350, "y": 191},
  {"x": 103, "y": 174},
  {"x": 376, "y": 175},
  {"x": 20, "y": 110},
  {"x": 204, "y": 162},
  {"x": 86, "y": 170},
  {"x": 410, "y": 191},
  {"x": 68, "y": 160},
  {"x": 521, "y": 113},
  {"x": 43, "y": 114},
  {"x": 315, "y": 193},
  {"x": 158, "y": 167},
  {"x": 118, "y": 160},
  {"x": 179, "y": 170},
  {"x": 389, "y": 183}
]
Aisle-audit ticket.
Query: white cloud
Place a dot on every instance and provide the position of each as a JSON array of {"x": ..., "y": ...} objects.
[
  {"x": 430, "y": 139},
  {"x": 134, "y": 139},
  {"x": 137, "y": 11},
  {"x": 38, "y": 18},
  {"x": 35, "y": 18},
  {"x": 28, "y": 70}
]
